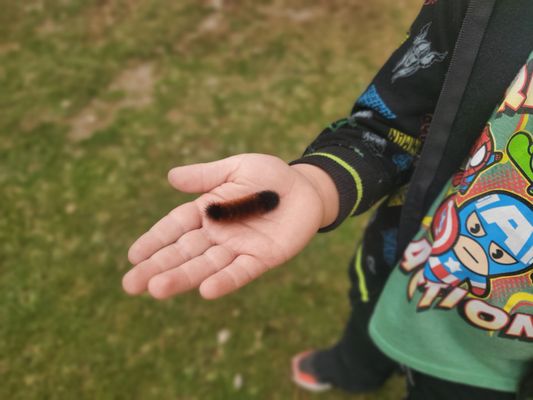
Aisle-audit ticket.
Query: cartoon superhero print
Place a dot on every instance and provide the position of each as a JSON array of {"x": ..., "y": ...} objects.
[
  {"x": 489, "y": 236},
  {"x": 520, "y": 152},
  {"x": 481, "y": 156},
  {"x": 474, "y": 253}
]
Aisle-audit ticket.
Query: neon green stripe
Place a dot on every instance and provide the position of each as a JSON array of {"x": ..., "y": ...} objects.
[
  {"x": 361, "y": 275},
  {"x": 353, "y": 173}
]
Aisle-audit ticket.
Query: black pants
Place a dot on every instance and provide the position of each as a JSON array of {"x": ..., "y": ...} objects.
[{"x": 355, "y": 364}]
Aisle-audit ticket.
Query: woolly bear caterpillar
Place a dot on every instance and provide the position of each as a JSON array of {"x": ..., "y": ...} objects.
[{"x": 244, "y": 207}]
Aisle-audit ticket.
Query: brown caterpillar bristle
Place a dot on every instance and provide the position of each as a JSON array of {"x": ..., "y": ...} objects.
[{"x": 243, "y": 207}]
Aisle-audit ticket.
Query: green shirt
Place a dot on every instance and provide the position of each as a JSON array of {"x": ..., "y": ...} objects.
[{"x": 459, "y": 306}]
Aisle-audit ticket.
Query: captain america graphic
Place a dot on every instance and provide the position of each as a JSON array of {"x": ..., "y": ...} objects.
[{"x": 489, "y": 236}]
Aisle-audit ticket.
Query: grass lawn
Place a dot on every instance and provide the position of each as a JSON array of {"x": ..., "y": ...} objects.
[{"x": 98, "y": 99}]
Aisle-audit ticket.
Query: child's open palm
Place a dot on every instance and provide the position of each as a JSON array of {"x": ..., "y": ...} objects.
[{"x": 186, "y": 249}]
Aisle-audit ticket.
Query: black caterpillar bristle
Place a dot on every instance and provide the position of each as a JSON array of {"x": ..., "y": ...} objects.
[
  {"x": 244, "y": 207},
  {"x": 268, "y": 199},
  {"x": 215, "y": 211}
]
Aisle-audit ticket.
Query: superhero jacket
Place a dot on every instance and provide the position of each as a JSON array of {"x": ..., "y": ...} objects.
[{"x": 420, "y": 115}]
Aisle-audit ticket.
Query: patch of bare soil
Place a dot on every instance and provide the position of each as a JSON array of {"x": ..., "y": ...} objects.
[
  {"x": 297, "y": 15},
  {"x": 105, "y": 15},
  {"x": 137, "y": 86}
]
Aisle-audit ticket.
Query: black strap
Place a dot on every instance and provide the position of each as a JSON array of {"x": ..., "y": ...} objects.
[{"x": 464, "y": 56}]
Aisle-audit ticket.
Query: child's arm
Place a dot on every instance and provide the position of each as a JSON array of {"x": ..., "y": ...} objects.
[
  {"x": 186, "y": 249},
  {"x": 349, "y": 167},
  {"x": 372, "y": 153}
]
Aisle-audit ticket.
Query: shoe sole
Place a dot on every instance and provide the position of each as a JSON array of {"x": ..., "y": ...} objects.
[{"x": 306, "y": 381}]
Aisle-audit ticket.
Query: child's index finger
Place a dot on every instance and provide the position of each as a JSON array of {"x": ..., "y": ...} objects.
[{"x": 167, "y": 230}]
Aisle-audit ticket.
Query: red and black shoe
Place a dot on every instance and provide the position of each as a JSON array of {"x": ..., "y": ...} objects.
[{"x": 304, "y": 374}]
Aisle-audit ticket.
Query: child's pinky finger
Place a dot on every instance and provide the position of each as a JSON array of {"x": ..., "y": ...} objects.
[{"x": 242, "y": 270}]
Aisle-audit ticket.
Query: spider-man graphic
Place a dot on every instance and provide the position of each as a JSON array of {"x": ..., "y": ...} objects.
[{"x": 481, "y": 157}]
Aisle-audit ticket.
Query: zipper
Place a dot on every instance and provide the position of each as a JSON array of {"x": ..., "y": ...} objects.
[{"x": 459, "y": 41}]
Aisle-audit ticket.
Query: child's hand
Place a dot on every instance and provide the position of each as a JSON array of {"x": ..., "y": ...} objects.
[{"x": 185, "y": 249}]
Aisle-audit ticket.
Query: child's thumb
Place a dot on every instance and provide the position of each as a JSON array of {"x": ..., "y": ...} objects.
[{"x": 201, "y": 178}]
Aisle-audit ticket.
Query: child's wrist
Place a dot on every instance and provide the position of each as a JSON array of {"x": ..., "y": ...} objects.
[{"x": 325, "y": 188}]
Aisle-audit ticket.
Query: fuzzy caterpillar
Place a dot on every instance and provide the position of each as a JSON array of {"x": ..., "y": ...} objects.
[{"x": 244, "y": 207}]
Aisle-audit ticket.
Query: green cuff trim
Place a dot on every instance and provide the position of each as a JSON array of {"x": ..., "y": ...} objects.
[
  {"x": 361, "y": 275},
  {"x": 353, "y": 173}
]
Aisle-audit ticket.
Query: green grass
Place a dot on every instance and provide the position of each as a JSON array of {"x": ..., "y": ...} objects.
[{"x": 98, "y": 99}]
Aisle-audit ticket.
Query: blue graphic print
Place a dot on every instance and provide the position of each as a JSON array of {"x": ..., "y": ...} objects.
[{"x": 373, "y": 100}]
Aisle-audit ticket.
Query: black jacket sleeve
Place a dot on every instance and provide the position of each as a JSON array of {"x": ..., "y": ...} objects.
[{"x": 372, "y": 152}]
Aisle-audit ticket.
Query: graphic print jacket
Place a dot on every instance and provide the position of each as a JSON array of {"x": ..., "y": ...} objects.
[{"x": 373, "y": 152}]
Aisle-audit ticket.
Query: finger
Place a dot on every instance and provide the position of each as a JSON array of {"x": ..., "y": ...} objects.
[
  {"x": 201, "y": 178},
  {"x": 190, "y": 274},
  {"x": 241, "y": 271},
  {"x": 167, "y": 230},
  {"x": 188, "y": 246}
]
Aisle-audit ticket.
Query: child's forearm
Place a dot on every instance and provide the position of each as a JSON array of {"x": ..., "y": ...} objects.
[{"x": 325, "y": 187}]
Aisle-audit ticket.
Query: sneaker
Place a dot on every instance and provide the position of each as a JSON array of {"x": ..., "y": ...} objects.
[{"x": 304, "y": 374}]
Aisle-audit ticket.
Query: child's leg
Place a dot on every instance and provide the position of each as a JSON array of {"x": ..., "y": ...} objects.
[
  {"x": 354, "y": 363},
  {"x": 423, "y": 387}
]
